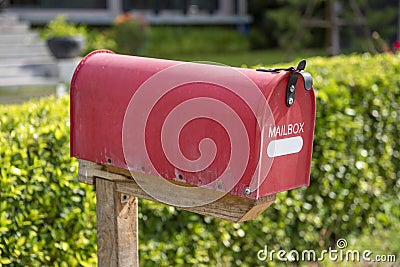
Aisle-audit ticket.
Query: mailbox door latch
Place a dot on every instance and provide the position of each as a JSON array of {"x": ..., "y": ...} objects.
[
  {"x": 291, "y": 88},
  {"x": 293, "y": 77}
]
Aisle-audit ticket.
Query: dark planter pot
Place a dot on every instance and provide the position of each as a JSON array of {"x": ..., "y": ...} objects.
[{"x": 65, "y": 47}]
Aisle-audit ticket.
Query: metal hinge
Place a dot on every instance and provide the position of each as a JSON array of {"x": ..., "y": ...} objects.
[{"x": 293, "y": 77}]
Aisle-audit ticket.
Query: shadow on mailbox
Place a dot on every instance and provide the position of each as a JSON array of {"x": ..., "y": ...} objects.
[{"x": 208, "y": 138}]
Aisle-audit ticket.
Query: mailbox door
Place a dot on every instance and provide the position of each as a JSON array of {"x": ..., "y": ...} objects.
[{"x": 289, "y": 142}]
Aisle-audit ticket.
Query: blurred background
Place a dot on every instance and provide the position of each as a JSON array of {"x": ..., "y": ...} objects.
[
  {"x": 352, "y": 49},
  {"x": 232, "y": 32}
]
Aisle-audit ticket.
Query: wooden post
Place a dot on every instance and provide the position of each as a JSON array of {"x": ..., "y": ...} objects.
[
  {"x": 117, "y": 226},
  {"x": 117, "y": 210}
]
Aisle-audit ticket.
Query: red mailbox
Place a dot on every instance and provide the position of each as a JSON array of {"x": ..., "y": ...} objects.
[{"x": 242, "y": 132}]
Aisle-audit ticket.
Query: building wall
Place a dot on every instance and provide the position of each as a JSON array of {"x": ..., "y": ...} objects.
[{"x": 103, "y": 12}]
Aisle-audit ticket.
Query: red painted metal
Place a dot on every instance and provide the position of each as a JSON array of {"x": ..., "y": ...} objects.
[{"x": 193, "y": 123}]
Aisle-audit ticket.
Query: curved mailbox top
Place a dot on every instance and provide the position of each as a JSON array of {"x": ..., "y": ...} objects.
[{"x": 240, "y": 131}]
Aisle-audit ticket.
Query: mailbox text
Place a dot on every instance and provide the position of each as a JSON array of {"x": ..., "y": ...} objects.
[{"x": 284, "y": 130}]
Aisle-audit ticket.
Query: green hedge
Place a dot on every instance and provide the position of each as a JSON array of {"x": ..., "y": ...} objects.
[
  {"x": 167, "y": 41},
  {"x": 47, "y": 218}
]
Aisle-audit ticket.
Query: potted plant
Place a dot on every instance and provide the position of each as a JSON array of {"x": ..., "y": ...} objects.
[{"x": 65, "y": 40}]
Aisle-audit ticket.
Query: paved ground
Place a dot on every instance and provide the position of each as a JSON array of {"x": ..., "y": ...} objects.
[{"x": 26, "y": 66}]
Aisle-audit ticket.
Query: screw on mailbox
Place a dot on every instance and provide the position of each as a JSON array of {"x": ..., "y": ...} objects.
[
  {"x": 247, "y": 191},
  {"x": 219, "y": 185},
  {"x": 124, "y": 198}
]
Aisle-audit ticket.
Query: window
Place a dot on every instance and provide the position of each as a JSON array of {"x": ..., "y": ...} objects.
[
  {"x": 185, "y": 6},
  {"x": 58, "y": 4}
]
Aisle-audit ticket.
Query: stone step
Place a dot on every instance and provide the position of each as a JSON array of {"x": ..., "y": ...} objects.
[
  {"x": 22, "y": 49},
  {"x": 8, "y": 82},
  {"x": 25, "y": 54},
  {"x": 14, "y": 38},
  {"x": 21, "y": 27},
  {"x": 32, "y": 70},
  {"x": 25, "y": 61},
  {"x": 33, "y": 59},
  {"x": 7, "y": 18},
  {"x": 21, "y": 41}
]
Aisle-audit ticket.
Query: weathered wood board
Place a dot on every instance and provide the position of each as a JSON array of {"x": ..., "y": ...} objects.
[{"x": 228, "y": 207}]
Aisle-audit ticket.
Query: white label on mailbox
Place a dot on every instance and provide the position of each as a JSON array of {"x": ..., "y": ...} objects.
[{"x": 284, "y": 146}]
